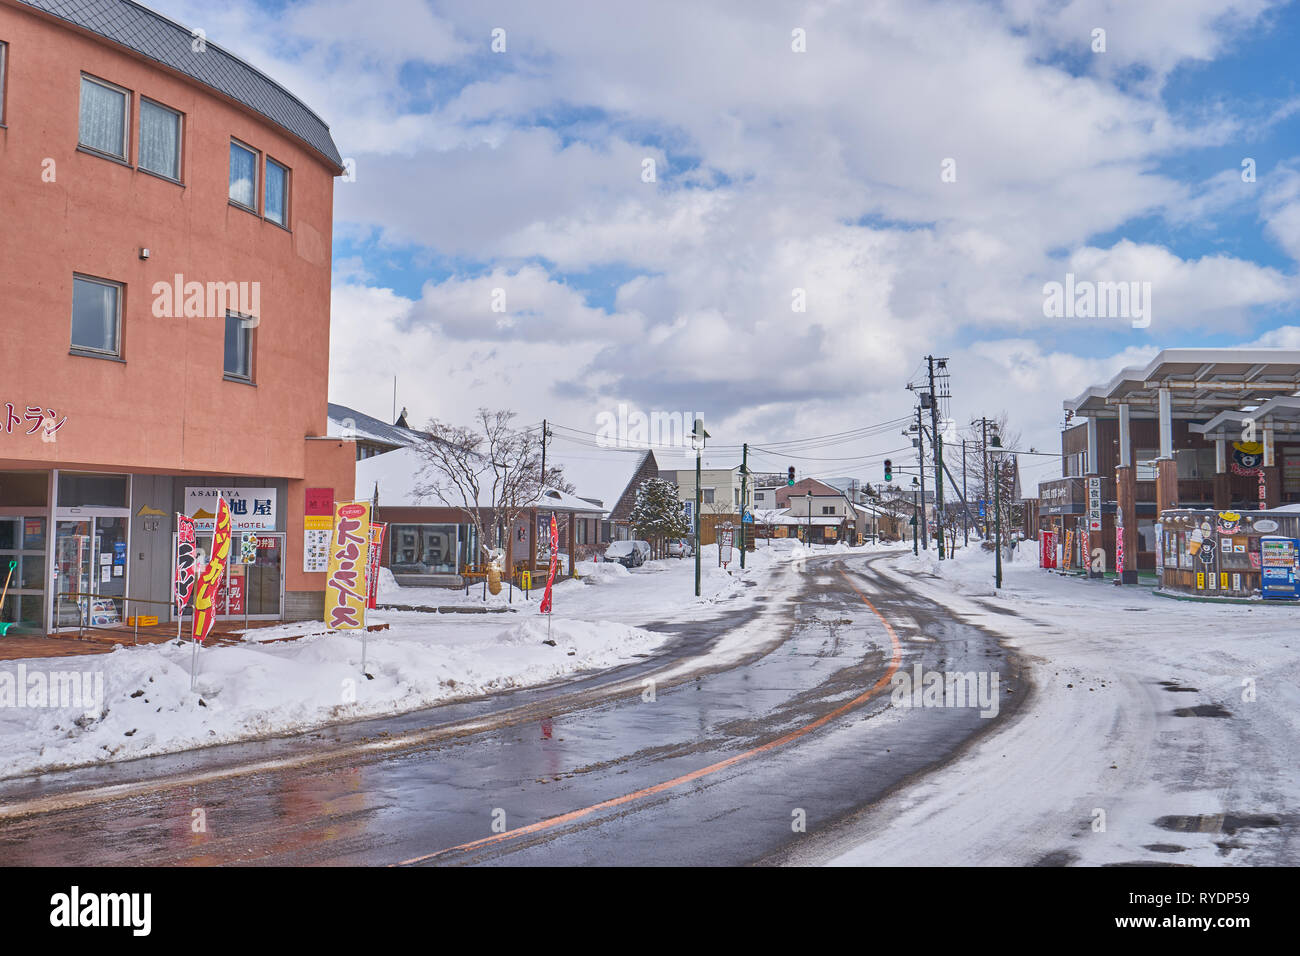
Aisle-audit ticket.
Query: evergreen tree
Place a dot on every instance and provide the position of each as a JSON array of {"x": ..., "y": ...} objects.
[{"x": 659, "y": 515}]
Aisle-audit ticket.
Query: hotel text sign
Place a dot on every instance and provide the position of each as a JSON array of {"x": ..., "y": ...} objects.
[{"x": 251, "y": 509}]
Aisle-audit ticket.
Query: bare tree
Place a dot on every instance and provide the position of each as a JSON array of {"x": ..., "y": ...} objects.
[{"x": 490, "y": 471}]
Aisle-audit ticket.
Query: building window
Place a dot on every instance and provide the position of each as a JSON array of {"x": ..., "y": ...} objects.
[
  {"x": 243, "y": 176},
  {"x": 160, "y": 140},
  {"x": 1144, "y": 461},
  {"x": 103, "y": 120},
  {"x": 239, "y": 347},
  {"x": 96, "y": 316},
  {"x": 828, "y": 509},
  {"x": 4, "y": 48},
  {"x": 277, "y": 193},
  {"x": 708, "y": 496}
]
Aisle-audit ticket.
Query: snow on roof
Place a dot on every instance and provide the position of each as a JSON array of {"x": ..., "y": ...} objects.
[
  {"x": 397, "y": 474},
  {"x": 601, "y": 473},
  {"x": 345, "y": 422}
]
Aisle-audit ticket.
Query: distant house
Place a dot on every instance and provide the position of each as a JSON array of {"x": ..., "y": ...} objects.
[
  {"x": 372, "y": 435},
  {"x": 608, "y": 478}
]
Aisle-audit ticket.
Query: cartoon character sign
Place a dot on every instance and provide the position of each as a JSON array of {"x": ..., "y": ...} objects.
[
  {"x": 1228, "y": 522},
  {"x": 1247, "y": 454}
]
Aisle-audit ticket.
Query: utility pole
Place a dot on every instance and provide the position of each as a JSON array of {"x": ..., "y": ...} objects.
[
  {"x": 920, "y": 467},
  {"x": 984, "y": 424},
  {"x": 744, "y": 497},
  {"x": 937, "y": 441},
  {"x": 965, "y": 508},
  {"x": 546, "y": 433}
]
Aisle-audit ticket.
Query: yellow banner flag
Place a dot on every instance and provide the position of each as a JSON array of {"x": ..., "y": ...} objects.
[{"x": 346, "y": 587}]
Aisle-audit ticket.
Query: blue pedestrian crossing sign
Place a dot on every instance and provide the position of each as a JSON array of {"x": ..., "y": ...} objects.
[
  {"x": 748, "y": 519},
  {"x": 981, "y": 509}
]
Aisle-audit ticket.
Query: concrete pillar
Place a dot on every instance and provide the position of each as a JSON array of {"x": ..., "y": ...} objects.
[
  {"x": 1166, "y": 424},
  {"x": 1126, "y": 500}
]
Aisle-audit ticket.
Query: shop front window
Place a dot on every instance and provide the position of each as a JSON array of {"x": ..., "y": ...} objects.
[{"x": 424, "y": 548}]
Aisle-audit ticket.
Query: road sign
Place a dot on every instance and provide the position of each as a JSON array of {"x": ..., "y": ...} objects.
[
  {"x": 749, "y": 518},
  {"x": 981, "y": 508}
]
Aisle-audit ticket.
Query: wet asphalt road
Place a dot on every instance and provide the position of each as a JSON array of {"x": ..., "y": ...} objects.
[{"x": 720, "y": 768}]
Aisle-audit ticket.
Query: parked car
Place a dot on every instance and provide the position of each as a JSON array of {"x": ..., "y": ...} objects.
[
  {"x": 680, "y": 548},
  {"x": 630, "y": 554}
]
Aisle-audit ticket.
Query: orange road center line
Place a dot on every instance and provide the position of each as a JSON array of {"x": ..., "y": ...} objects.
[{"x": 572, "y": 815}]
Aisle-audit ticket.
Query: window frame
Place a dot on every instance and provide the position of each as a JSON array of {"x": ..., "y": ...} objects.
[
  {"x": 266, "y": 182},
  {"x": 88, "y": 351},
  {"x": 124, "y": 156},
  {"x": 226, "y": 374},
  {"x": 180, "y": 141},
  {"x": 257, "y": 163},
  {"x": 4, "y": 76}
]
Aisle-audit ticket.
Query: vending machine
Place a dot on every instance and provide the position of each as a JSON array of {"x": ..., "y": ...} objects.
[{"x": 1278, "y": 559}]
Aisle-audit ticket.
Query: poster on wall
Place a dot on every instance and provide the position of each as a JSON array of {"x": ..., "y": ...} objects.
[
  {"x": 316, "y": 544},
  {"x": 251, "y": 509},
  {"x": 346, "y": 591}
]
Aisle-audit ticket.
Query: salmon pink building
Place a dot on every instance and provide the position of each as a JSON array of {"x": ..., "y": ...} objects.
[{"x": 164, "y": 305}]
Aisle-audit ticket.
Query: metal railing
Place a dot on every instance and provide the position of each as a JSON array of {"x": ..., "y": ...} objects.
[{"x": 83, "y": 607}]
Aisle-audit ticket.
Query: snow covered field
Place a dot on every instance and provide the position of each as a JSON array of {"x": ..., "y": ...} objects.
[
  {"x": 136, "y": 701},
  {"x": 1101, "y": 733}
]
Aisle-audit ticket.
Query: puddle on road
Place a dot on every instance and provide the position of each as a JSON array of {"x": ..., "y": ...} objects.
[
  {"x": 1228, "y": 823},
  {"x": 1203, "y": 710}
]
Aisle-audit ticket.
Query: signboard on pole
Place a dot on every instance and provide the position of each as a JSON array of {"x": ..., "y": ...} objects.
[
  {"x": 205, "y": 598},
  {"x": 725, "y": 538},
  {"x": 346, "y": 593},
  {"x": 247, "y": 548}
]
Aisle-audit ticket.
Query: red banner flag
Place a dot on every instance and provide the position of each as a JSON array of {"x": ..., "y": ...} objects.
[
  {"x": 186, "y": 562},
  {"x": 555, "y": 563},
  {"x": 373, "y": 559},
  {"x": 205, "y": 610}
]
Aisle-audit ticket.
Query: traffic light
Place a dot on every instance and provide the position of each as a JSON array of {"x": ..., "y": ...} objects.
[
  {"x": 789, "y": 480},
  {"x": 889, "y": 470}
]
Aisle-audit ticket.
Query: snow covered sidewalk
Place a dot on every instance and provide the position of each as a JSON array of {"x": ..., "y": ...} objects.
[
  {"x": 136, "y": 701},
  {"x": 1157, "y": 731}
]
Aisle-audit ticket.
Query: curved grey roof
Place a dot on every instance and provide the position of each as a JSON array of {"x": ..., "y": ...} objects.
[{"x": 158, "y": 38}]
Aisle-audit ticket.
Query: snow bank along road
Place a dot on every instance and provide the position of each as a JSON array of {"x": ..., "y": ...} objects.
[{"x": 760, "y": 730}]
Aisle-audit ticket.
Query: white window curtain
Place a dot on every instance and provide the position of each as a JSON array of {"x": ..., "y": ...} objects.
[
  {"x": 103, "y": 118},
  {"x": 160, "y": 140},
  {"x": 94, "y": 315},
  {"x": 243, "y": 176}
]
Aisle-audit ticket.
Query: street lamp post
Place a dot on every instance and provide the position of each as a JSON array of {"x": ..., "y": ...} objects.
[
  {"x": 996, "y": 452},
  {"x": 698, "y": 439},
  {"x": 808, "y": 498}
]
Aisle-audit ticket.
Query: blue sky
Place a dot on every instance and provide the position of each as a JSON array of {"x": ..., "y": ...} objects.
[{"x": 783, "y": 176}]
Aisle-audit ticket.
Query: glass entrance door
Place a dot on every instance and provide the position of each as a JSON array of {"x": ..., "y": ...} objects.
[{"x": 89, "y": 570}]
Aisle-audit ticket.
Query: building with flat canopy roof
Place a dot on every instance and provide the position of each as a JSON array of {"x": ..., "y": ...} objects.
[{"x": 1211, "y": 428}]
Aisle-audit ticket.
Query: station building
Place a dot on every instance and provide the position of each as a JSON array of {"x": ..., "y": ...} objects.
[
  {"x": 1196, "y": 438},
  {"x": 165, "y": 307}
]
